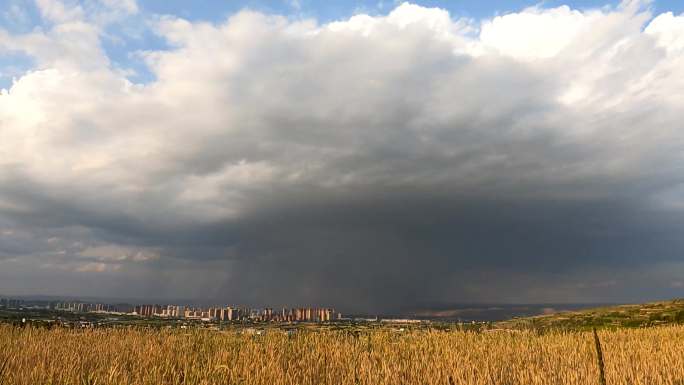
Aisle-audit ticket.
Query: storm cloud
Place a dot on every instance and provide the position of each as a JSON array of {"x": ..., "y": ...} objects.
[{"x": 374, "y": 163}]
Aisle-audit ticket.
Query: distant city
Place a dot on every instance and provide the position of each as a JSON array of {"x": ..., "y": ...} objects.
[
  {"x": 228, "y": 313},
  {"x": 174, "y": 311}
]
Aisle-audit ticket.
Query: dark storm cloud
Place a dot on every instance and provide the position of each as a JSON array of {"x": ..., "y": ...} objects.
[
  {"x": 378, "y": 163},
  {"x": 390, "y": 251}
]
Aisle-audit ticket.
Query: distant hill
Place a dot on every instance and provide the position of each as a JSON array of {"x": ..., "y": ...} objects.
[{"x": 639, "y": 315}]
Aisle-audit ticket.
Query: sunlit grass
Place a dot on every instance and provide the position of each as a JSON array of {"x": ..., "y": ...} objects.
[{"x": 129, "y": 356}]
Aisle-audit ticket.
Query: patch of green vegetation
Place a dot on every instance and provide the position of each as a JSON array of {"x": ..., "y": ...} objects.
[{"x": 622, "y": 316}]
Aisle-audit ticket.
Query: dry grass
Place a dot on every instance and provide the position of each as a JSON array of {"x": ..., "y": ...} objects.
[{"x": 119, "y": 356}]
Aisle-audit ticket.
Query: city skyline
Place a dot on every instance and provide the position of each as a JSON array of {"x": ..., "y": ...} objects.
[{"x": 213, "y": 313}]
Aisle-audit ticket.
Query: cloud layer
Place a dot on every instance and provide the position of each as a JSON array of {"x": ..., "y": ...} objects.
[{"x": 379, "y": 162}]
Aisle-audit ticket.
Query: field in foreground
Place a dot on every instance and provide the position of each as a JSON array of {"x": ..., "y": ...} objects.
[{"x": 126, "y": 356}]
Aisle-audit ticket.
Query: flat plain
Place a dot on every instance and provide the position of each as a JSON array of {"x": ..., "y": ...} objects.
[{"x": 389, "y": 355}]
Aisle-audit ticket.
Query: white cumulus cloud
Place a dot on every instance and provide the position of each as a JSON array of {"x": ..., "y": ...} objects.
[{"x": 556, "y": 104}]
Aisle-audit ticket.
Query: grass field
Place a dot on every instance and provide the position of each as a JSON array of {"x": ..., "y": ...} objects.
[{"x": 127, "y": 356}]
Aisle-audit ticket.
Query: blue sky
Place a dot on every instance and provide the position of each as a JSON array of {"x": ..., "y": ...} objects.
[
  {"x": 213, "y": 10},
  {"x": 331, "y": 10},
  {"x": 132, "y": 35}
]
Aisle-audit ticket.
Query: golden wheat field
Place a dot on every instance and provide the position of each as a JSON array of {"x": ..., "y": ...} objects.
[{"x": 129, "y": 356}]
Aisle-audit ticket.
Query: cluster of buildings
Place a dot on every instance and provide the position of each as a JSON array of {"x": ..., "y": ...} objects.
[
  {"x": 8, "y": 303},
  {"x": 75, "y": 306},
  {"x": 216, "y": 314},
  {"x": 82, "y": 307},
  {"x": 229, "y": 313},
  {"x": 225, "y": 313}
]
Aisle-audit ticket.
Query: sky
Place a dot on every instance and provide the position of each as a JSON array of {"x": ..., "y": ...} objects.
[{"x": 371, "y": 156}]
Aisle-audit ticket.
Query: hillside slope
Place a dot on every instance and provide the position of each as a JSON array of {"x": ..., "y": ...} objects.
[{"x": 638, "y": 315}]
